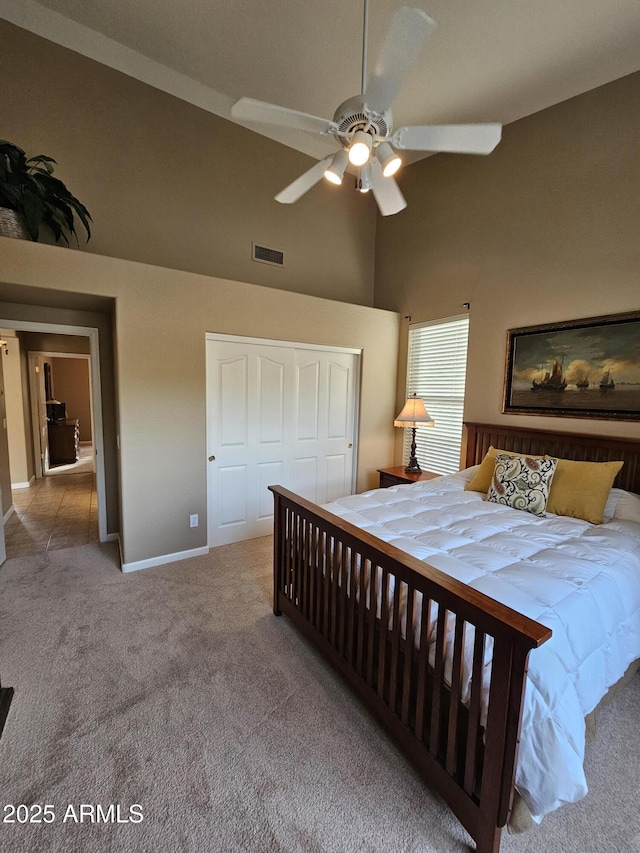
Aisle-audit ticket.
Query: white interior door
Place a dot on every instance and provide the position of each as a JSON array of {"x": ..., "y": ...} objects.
[
  {"x": 277, "y": 414},
  {"x": 324, "y": 413},
  {"x": 39, "y": 414}
]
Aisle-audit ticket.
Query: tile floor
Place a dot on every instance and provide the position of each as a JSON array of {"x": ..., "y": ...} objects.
[{"x": 57, "y": 511}]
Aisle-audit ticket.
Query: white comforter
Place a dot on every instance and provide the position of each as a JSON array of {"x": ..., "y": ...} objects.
[{"x": 579, "y": 579}]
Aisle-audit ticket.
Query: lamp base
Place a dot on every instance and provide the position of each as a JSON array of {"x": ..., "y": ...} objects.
[{"x": 412, "y": 465}]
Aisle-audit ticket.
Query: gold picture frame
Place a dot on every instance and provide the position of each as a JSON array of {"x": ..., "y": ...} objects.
[{"x": 587, "y": 368}]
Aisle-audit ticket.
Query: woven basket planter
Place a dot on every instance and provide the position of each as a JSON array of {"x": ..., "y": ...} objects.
[{"x": 12, "y": 224}]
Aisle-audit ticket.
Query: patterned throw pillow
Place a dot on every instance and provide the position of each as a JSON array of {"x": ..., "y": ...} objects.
[{"x": 522, "y": 482}]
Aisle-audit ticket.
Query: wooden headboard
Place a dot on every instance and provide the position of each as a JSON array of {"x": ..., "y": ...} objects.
[{"x": 566, "y": 445}]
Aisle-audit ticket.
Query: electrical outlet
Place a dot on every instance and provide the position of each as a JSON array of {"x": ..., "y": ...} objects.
[{"x": 193, "y": 520}]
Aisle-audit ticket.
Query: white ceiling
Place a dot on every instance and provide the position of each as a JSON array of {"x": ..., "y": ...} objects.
[{"x": 488, "y": 60}]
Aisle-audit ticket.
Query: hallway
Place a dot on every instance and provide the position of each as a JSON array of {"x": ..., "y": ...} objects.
[{"x": 58, "y": 511}]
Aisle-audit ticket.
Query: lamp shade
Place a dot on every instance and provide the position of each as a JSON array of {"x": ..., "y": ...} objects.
[{"x": 414, "y": 414}]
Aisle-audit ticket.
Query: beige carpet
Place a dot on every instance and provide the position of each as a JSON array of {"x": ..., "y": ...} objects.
[{"x": 176, "y": 688}]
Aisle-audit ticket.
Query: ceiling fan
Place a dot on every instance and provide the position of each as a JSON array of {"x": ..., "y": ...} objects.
[{"x": 363, "y": 124}]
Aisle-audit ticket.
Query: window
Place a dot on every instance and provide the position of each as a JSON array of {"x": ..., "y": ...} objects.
[{"x": 436, "y": 372}]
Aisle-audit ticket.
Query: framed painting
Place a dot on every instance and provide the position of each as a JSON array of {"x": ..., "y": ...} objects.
[{"x": 586, "y": 368}]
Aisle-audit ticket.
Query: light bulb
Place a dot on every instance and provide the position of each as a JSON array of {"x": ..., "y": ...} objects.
[
  {"x": 334, "y": 173},
  {"x": 389, "y": 160},
  {"x": 363, "y": 183},
  {"x": 360, "y": 148}
]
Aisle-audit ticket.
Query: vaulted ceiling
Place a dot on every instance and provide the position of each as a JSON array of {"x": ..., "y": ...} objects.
[{"x": 488, "y": 60}]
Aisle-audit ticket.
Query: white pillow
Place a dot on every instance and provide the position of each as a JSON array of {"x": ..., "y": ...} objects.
[
  {"x": 623, "y": 506},
  {"x": 469, "y": 473},
  {"x": 612, "y": 503}
]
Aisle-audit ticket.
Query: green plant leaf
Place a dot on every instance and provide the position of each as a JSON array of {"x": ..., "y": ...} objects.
[
  {"x": 51, "y": 220},
  {"x": 33, "y": 208},
  {"x": 41, "y": 164},
  {"x": 29, "y": 188},
  {"x": 10, "y": 196}
]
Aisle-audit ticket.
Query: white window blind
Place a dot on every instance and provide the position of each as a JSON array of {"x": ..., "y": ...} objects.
[{"x": 436, "y": 372}]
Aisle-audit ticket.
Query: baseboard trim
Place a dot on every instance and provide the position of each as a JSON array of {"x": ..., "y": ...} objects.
[
  {"x": 23, "y": 485},
  {"x": 163, "y": 559},
  {"x": 112, "y": 537},
  {"x": 7, "y": 514}
]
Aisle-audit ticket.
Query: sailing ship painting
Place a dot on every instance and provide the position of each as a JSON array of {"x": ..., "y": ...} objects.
[
  {"x": 551, "y": 381},
  {"x": 607, "y": 383},
  {"x": 581, "y": 368}
]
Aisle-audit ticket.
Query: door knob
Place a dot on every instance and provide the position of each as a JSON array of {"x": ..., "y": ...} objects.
[
  {"x": 212, "y": 459},
  {"x": 350, "y": 446}
]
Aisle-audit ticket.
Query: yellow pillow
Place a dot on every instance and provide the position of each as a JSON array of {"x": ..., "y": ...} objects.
[
  {"x": 481, "y": 480},
  {"x": 581, "y": 489}
]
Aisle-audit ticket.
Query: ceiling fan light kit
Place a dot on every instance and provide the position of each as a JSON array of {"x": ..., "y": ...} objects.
[
  {"x": 363, "y": 124},
  {"x": 363, "y": 182},
  {"x": 389, "y": 160},
  {"x": 334, "y": 172},
  {"x": 360, "y": 149}
]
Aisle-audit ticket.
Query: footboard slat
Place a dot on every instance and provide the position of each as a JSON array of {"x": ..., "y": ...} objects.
[
  {"x": 351, "y": 627},
  {"x": 456, "y": 675},
  {"x": 395, "y": 646},
  {"x": 375, "y": 590},
  {"x": 423, "y": 660},
  {"x": 442, "y": 666},
  {"x": 336, "y": 565},
  {"x": 361, "y": 611},
  {"x": 437, "y": 682},
  {"x": 344, "y": 580},
  {"x": 408, "y": 659},
  {"x": 382, "y": 638},
  {"x": 474, "y": 712},
  {"x": 305, "y": 568}
]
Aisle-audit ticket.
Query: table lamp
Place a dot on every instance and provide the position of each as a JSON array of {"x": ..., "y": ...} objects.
[{"x": 413, "y": 415}]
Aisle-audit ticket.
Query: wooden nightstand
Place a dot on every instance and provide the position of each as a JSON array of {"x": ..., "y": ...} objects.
[
  {"x": 397, "y": 476},
  {"x": 64, "y": 438}
]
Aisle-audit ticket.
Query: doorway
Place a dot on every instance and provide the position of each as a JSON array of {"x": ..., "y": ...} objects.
[
  {"x": 72, "y": 493},
  {"x": 61, "y": 412},
  {"x": 278, "y": 412}
]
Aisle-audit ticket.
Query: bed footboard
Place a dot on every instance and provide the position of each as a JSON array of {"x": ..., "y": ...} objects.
[{"x": 441, "y": 665}]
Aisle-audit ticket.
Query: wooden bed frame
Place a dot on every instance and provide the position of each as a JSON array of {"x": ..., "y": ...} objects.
[{"x": 321, "y": 568}]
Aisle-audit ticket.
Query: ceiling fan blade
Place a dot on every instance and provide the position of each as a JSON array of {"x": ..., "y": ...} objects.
[
  {"x": 248, "y": 109},
  {"x": 453, "y": 138},
  {"x": 386, "y": 191},
  {"x": 404, "y": 41},
  {"x": 301, "y": 185}
]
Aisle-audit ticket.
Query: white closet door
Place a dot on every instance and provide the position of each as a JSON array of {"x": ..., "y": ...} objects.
[
  {"x": 324, "y": 412},
  {"x": 277, "y": 414}
]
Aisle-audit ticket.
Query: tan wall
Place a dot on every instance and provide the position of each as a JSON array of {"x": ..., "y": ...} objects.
[
  {"x": 18, "y": 432},
  {"x": 161, "y": 319},
  {"x": 544, "y": 229},
  {"x": 170, "y": 184},
  {"x": 71, "y": 384}
]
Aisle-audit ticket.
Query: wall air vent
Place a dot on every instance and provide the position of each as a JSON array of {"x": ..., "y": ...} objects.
[{"x": 266, "y": 255}]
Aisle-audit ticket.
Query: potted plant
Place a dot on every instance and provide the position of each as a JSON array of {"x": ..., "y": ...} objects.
[{"x": 29, "y": 188}]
